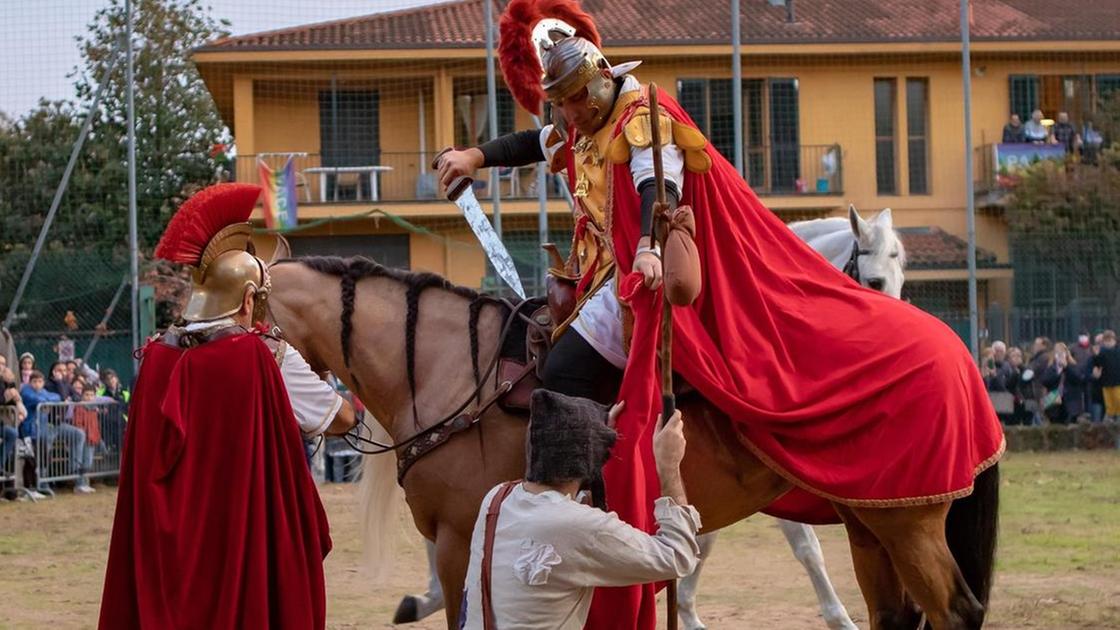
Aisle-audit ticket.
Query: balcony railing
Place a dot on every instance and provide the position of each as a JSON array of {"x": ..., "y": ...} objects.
[
  {"x": 404, "y": 177},
  {"x": 392, "y": 177},
  {"x": 795, "y": 169},
  {"x": 998, "y": 167}
]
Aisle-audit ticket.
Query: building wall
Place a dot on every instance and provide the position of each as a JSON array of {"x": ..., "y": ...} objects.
[{"x": 836, "y": 105}]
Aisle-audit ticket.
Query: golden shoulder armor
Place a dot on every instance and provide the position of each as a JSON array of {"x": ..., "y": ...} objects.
[{"x": 637, "y": 135}]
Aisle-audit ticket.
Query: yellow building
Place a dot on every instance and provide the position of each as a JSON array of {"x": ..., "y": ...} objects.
[{"x": 855, "y": 102}]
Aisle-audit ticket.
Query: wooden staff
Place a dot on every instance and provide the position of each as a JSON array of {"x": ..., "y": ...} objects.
[{"x": 659, "y": 231}]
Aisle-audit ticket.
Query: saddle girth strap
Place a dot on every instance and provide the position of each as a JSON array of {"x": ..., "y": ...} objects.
[
  {"x": 492, "y": 513},
  {"x": 443, "y": 432}
]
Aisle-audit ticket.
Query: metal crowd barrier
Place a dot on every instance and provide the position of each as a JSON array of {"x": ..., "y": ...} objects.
[{"x": 78, "y": 441}]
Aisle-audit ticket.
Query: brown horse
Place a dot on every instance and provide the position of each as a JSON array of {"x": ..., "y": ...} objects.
[{"x": 413, "y": 347}]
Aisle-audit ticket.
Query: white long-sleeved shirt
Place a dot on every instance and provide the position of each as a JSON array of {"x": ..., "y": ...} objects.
[{"x": 550, "y": 552}]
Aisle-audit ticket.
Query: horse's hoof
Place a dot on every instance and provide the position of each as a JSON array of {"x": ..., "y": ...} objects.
[{"x": 407, "y": 611}]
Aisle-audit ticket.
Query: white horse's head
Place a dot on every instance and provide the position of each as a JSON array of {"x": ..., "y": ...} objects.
[{"x": 881, "y": 258}]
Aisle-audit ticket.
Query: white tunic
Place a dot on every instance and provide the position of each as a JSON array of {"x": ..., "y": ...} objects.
[
  {"x": 599, "y": 322},
  {"x": 314, "y": 402},
  {"x": 550, "y": 552}
]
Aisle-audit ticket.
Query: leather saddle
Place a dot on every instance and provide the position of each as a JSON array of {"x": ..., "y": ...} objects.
[{"x": 522, "y": 364}]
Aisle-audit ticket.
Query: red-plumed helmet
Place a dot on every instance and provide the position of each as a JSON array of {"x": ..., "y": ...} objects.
[
  {"x": 210, "y": 232},
  {"x": 549, "y": 49}
]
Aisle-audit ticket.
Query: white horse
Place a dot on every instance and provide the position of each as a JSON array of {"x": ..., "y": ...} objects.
[{"x": 870, "y": 252}]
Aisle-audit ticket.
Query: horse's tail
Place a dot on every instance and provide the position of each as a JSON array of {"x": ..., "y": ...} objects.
[
  {"x": 971, "y": 530},
  {"x": 378, "y": 507}
]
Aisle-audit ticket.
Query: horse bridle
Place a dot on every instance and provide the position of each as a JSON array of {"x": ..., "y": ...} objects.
[{"x": 851, "y": 268}]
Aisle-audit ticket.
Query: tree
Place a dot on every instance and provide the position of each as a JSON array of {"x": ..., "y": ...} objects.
[
  {"x": 1065, "y": 219},
  {"x": 176, "y": 119},
  {"x": 86, "y": 254}
]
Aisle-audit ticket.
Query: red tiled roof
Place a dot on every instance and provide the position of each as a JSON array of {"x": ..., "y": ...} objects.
[
  {"x": 931, "y": 247},
  {"x": 458, "y": 24}
]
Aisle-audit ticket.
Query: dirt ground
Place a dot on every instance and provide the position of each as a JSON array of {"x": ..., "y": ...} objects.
[{"x": 1059, "y": 559}]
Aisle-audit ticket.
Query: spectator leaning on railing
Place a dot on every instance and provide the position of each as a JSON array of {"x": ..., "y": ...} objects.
[
  {"x": 35, "y": 428},
  {"x": 1066, "y": 134},
  {"x": 10, "y": 398},
  {"x": 113, "y": 423},
  {"x": 1106, "y": 367},
  {"x": 1064, "y": 382},
  {"x": 1034, "y": 131},
  {"x": 1019, "y": 388},
  {"x": 88, "y": 418},
  {"x": 999, "y": 377},
  {"x": 26, "y": 367},
  {"x": 1096, "y": 393},
  {"x": 1013, "y": 131},
  {"x": 59, "y": 381}
]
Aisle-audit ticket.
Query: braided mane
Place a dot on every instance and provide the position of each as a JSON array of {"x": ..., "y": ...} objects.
[{"x": 351, "y": 270}]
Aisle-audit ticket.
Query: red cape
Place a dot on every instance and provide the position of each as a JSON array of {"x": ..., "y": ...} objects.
[
  {"x": 851, "y": 395},
  {"x": 218, "y": 521}
]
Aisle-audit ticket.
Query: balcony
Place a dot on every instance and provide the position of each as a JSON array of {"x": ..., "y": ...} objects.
[
  {"x": 998, "y": 167},
  {"x": 393, "y": 177},
  {"x": 792, "y": 170},
  {"x": 795, "y": 169}
]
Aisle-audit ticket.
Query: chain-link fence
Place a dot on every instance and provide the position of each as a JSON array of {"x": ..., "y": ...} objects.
[{"x": 351, "y": 101}]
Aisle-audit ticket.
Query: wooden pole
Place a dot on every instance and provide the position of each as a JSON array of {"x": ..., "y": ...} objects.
[{"x": 660, "y": 231}]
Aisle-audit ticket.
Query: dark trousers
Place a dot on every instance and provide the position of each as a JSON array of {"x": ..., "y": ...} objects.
[{"x": 575, "y": 368}]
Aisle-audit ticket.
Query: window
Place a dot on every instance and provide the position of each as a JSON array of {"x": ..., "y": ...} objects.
[
  {"x": 917, "y": 134},
  {"x": 1024, "y": 95},
  {"x": 1079, "y": 95},
  {"x": 771, "y": 126},
  {"x": 886, "y": 175},
  {"x": 784, "y": 141},
  {"x": 472, "y": 111},
  {"x": 349, "y": 135}
]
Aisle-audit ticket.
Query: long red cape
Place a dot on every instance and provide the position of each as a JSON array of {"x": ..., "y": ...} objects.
[
  {"x": 218, "y": 521},
  {"x": 851, "y": 395}
]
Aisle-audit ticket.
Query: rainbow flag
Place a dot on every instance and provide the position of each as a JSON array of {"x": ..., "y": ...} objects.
[{"x": 279, "y": 195}]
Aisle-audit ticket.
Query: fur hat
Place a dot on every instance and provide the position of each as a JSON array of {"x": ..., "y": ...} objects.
[{"x": 568, "y": 439}]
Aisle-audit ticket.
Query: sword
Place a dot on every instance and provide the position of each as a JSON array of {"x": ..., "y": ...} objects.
[{"x": 461, "y": 193}]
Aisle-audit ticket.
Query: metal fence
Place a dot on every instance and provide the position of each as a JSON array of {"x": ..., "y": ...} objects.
[{"x": 76, "y": 442}]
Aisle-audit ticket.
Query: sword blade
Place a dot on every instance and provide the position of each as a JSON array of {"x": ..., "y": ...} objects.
[{"x": 495, "y": 250}]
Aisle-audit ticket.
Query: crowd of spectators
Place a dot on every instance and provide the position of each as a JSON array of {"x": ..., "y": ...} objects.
[
  {"x": 1085, "y": 140},
  {"x": 80, "y": 431},
  {"x": 1050, "y": 382}
]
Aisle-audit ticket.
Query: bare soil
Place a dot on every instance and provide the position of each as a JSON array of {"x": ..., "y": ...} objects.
[{"x": 1059, "y": 562}]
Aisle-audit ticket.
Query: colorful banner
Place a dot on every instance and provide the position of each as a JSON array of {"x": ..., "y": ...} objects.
[
  {"x": 279, "y": 195},
  {"x": 1012, "y": 159}
]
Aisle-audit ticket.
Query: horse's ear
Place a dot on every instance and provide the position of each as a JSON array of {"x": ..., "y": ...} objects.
[
  {"x": 884, "y": 219},
  {"x": 859, "y": 227}
]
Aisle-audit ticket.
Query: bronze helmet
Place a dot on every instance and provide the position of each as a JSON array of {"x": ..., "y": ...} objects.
[
  {"x": 228, "y": 269},
  {"x": 571, "y": 63},
  {"x": 210, "y": 232}
]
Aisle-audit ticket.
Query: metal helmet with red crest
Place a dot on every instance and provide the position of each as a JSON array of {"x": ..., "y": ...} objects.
[
  {"x": 211, "y": 232},
  {"x": 550, "y": 50}
]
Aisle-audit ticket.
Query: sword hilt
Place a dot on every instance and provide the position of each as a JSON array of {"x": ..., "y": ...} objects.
[{"x": 459, "y": 184}]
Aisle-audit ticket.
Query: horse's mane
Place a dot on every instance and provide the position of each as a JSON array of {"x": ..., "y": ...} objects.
[{"x": 355, "y": 268}]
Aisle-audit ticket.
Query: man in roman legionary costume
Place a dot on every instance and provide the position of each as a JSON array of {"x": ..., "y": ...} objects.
[
  {"x": 851, "y": 395},
  {"x": 218, "y": 522}
]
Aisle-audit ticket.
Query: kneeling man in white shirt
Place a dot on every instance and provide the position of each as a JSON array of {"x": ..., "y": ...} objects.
[{"x": 549, "y": 551}]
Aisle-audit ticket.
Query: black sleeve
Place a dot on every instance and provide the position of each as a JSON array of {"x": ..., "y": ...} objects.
[
  {"x": 515, "y": 149},
  {"x": 648, "y": 192}
]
